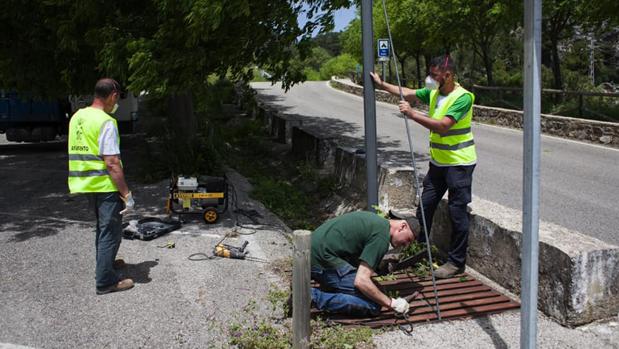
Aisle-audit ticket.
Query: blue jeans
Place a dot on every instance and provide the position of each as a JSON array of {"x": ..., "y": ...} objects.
[
  {"x": 457, "y": 180},
  {"x": 107, "y": 208},
  {"x": 340, "y": 295}
]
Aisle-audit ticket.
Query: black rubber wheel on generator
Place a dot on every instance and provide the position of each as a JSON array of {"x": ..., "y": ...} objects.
[{"x": 210, "y": 215}]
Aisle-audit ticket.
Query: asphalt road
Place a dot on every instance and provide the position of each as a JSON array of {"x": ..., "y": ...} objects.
[
  {"x": 579, "y": 181},
  {"x": 47, "y": 293},
  {"x": 47, "y": 264}
]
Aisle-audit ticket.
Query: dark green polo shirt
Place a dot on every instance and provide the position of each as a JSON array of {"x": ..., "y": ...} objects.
[{"x": 351, "y": 238}]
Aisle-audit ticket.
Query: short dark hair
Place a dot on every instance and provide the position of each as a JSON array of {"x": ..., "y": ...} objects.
[
  {"x": 444, "y": 63},
  {"x": 105, "y": 87}
]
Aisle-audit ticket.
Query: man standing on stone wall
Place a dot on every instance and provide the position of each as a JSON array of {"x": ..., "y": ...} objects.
[{"x": 452, "y": 152}]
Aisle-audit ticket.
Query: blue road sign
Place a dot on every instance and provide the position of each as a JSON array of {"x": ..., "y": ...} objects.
[{"x": 383, "y": 49}]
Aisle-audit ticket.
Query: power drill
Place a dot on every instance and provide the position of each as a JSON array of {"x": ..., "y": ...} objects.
[{"x": 228, "y": 251}]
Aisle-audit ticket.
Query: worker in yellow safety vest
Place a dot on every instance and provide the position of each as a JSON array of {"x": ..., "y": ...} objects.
[
  {"x": 95, "y": 170},
  {"x": 452, "y": 152}
]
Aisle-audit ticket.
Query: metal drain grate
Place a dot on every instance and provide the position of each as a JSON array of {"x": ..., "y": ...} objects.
[{"x": 459, "y": 297}]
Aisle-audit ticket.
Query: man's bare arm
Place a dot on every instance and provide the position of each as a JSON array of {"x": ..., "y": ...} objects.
[
  {"x": 364, "y": 283},
  {"x": 439, "y": 126},
  {"x": 409, "y": 94},
  {"x": 114, "y": 167}
]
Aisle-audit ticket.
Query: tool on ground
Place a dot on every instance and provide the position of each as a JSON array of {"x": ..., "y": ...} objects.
[
  {"x": 149, "y": 228},
  {"x": 226, "y": 251},
  {"x": 229, "y": 251},
  {"x": 203, "y": 195},
  {"x": 410, "y": 144},
  {"x": 169, "y": 244}
]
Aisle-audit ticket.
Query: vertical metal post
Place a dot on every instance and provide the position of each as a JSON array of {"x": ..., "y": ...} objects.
[
  {"x": 301, "y": 295},
  {"x": 382, "y": 63},
  {"x": 531, "y": 174},
  {"x": 369, "y": 102}
]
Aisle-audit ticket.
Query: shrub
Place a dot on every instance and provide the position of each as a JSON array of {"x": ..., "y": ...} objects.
[{"x": 342, "y": 65}]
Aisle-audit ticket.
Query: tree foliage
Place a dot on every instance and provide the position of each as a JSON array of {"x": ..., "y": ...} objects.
[
  {"x": 485, "y": 38},
  {"x": 163, "y": 46}
]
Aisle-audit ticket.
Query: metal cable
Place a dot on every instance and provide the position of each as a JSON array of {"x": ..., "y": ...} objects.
[{"x": 410, "y": 144}]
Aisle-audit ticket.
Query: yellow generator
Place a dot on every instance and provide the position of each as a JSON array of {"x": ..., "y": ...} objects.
[{"x": 204, "y": 195}]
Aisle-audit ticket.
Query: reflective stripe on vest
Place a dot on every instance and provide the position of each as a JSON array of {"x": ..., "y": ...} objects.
[
  {"x": 456, "y": 146},
  {"x": 87, "y": 170}
]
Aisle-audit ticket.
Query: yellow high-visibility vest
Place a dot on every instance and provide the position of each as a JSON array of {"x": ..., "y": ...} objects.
[
  {"x": 87, "y": 170},
  {"x": 456, "y": 147}
]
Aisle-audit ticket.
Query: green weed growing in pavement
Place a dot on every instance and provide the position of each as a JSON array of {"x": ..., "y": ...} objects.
[
  {"x": 259, "y": 332},
  {"x": 258, "y": 335},
  {"x": 278, "y": 298}
]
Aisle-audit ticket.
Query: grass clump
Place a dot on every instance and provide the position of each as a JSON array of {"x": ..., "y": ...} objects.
[{"x": 256, "y": 331}]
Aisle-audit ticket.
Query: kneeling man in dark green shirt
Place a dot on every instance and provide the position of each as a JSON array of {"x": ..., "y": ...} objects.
[{"x": 346, "y": 250}]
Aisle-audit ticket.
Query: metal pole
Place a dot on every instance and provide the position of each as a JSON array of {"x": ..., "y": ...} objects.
[
  {"x": 301, "y": 295},
  {"x": 382, "y": 63},
  {"x": 369, "y": 102},
  {"x": 531, "y": 174}
]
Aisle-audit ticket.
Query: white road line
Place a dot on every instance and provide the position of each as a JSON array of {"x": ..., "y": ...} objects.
[{"x": 13, "y": 346}]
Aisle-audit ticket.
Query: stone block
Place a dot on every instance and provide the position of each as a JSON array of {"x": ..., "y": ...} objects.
[{"x": 578, "y": 274}]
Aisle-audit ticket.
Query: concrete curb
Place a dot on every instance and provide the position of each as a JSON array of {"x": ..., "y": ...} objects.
[{"x": 578, "y": 277}]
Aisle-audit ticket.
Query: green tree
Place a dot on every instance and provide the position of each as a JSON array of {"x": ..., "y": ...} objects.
[
  {"x": 350, "y": 39},
  {"x": 166, "y": 47},
  {"x": 342, "y": 65},
  {"x": 482, "y": 22},
  {"x": 330, "y": 42}
]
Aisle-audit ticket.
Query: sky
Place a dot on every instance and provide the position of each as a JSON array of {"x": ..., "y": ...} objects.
[{"x": 341, "y": 17}]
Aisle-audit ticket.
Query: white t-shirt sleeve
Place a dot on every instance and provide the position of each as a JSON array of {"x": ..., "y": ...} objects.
[{"x": 108, "y": 139}]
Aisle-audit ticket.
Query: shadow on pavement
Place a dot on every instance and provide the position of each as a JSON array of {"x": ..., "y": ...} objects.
[
  {"x": 140, "y": 273},
  {"x": 29, "y": 229},
  {"x": 486, "y": 325},
  {"x": 345, "y": 133}
]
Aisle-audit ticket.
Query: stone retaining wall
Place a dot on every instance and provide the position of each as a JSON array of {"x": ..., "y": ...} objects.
[{"x": 600, "y": 132}]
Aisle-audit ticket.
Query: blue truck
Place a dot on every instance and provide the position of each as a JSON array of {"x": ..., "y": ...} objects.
[{"x": 29, "y": 119}]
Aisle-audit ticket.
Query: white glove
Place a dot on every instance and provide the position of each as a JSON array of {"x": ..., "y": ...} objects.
[
  {"x": 399, "y": 305},
  {"x": 129, "y": 203}
]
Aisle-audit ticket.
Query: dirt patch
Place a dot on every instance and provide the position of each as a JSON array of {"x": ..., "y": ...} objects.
[{"x": 283, "y": 268}]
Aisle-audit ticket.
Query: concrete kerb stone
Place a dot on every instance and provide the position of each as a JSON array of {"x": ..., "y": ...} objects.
[
  {"x": 319, "y": 151},
  {"x": 578, "y": 274},
  {"x": 396, "y": 187},
  {"x": 350, "y": 169}
]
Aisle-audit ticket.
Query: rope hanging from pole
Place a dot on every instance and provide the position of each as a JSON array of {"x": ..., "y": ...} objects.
[{"x": 412, "y": 151}]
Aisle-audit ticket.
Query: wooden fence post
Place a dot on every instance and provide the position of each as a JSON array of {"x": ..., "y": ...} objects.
[{"x": 301, "y": 296}]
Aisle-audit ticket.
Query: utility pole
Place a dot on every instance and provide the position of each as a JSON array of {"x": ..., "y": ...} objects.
[
  {"x": 531, "y": 174},
  {"x": 369, "y": 102},
  {"x": 592, "y": 58}
]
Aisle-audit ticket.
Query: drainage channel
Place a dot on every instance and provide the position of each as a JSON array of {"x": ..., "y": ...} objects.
[{"x": 462, "y": 296}]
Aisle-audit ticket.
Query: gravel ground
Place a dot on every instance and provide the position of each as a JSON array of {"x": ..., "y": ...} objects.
[
  {"x": 501, "y": 331},
  {"x": 47, "y": 292}
]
